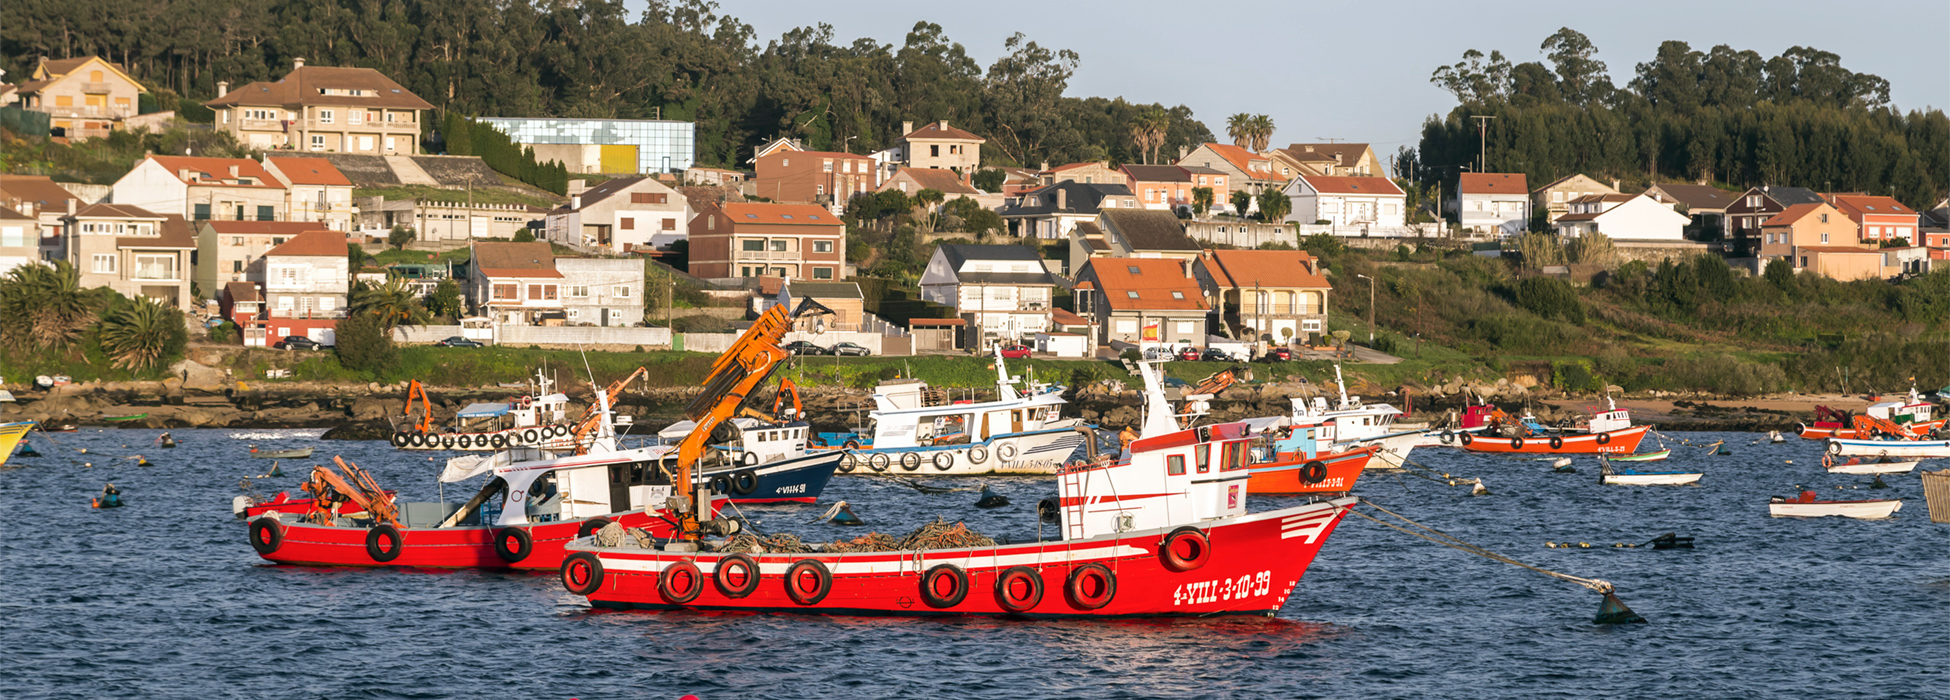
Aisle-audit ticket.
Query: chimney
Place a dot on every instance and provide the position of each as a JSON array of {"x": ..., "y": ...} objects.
[
  {"x": 944, "y": 125},
  {"x": 1062, "y": 198},
  {"x": 1184, "y": 151},
  {"x": 575, "y": 202},
  {"x": 297, "y": 63},
  {"x": 71, "y": 202},
  {"x": 1614, "y": 184},
  {"x": 1187, "y": 265},
  {"x": 183, "y": 174},
  {"x": 233, "y": 171},
  {"x": 907, "y": 128},
  {"x": 223, "y": 88},
  {"x": 1045, "y": 167}
]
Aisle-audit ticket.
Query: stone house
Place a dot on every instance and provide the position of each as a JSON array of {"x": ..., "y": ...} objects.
[
  {"x": 323, "y": 109},
  {"x": 84, "y": 97}
]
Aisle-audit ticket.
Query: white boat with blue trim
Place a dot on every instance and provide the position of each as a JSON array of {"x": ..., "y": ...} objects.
[{"x": 919, "y": 430}]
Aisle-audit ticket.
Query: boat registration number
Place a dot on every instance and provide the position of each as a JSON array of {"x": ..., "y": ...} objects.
[
  {"x": 795, "y": 488},
  {"x": 1245, "y": 586}
]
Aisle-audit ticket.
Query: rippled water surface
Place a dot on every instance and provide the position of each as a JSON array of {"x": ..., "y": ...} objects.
[{"x": 165, "y": 599}]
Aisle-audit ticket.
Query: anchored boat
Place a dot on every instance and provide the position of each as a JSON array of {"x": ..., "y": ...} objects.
[
  {"x": 1300, "y": 464},
  {"x": 10, "y": 436},
  {"x": 1608, "y": 432},
  {"x": 1845, "y": 447},
  {"x": 1352, "y": 424},
  {"x": 534, "y": 419},
  {"x": 1806, "y": 506},
  {"x": 1855, "y": 465},
  {"x": 1152, "y": 532},
  {"x": 1911, "y": 416},
  {"x": 300, "y": 453},
  {"x": 920, "y": 429},
  {"x": 1626, "y": 477}
]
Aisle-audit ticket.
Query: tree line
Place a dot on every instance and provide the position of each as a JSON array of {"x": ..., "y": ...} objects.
[
  {"x": 588, "y": 58},
  {"x": 1721, "y": 116}
]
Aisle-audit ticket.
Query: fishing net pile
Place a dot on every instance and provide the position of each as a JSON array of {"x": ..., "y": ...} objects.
[
  {"x": 760, "y": 544},
  {"x": 939, "y": 534},
  {"x": 614, "y": 534}
]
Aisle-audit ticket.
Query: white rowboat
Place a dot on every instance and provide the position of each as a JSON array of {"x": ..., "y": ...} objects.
[
  {"x": 1866, "y": 510},
  {"x": 1874, "y": 468},
  {"x": 1844, "y": 447},
  {"x": 1653, "y": 479}
]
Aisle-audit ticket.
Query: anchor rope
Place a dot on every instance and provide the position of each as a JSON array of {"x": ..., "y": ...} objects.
[{"x": 1447, "y": 540}]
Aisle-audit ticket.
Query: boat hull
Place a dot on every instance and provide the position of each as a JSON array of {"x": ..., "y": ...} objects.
[
  {"x": 1679, "y": 479},
  {"x": 1892, "y": 448},
  {"x": 1874, "y": 468},
  {"x": 1390, "y": 452},
  {"x": 1659, "y": 456},
  {"x": 486, "y": 441},
  {"x": 1866, "y": 510},
  {"x": 1822, "y": 431},
  {"x": 1251, "y": 568},
  {"x": 439, "y": 548},
  {"x": 1287, "y": 475},
  {"x": 794, "y": 480},
  {"x": 282, "y": 454},
  {"x": 10, "y": 437},
  {"x": 1625, "y": 441},
  {"x": 1039, "y": 452}
]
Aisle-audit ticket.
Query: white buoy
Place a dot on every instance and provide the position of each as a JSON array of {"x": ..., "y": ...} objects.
[
  {"x": 1480, "y": 489},
  {"x": 1561, "y": 463}
]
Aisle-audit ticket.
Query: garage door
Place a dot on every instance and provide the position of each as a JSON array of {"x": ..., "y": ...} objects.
[{"x": 619, "y": 159}]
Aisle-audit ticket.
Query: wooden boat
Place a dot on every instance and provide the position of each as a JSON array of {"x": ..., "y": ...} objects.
[
  {"x": 300, "y": 453},
  {"x": 126, "y": 417},
  {"x": 1615, "y": 477},
  {"x": 1844, "y": 447},
  {"x": 1659, "y": 456},
  {"x": 1855, "y": 465},
  {"x": 1609, "y": 431},
  {"x": 1806, "y": 506}
]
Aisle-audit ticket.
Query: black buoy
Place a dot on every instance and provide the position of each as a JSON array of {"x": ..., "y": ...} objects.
[
  {"x": 27, "y": 451},
  {"x": 1878, "y": 483},
  {"x": 991, "y": 499},
  {"x": 842, "y": 514},
  {"x": 1671, "y": 540},
  {"x": 1049, "y": 511},
  {"x": 1612, "y": 611}
]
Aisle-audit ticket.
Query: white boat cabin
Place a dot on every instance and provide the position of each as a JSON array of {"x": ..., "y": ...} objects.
[
  {"x": 908, "y": 413},
  {"x": 1170, "y": 476},
  {"x": 1610, "y": 419},
  {"x": 1912, "y": 410}
]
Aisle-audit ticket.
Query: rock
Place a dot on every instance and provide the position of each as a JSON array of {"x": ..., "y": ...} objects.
[
  {"x": 371, "y": 409},
  {"x": 1121, "y": 416},
  {"x": 1526, "y": 381},
  {"x": 195, "y": 375},
  {"x": 1614, "y": 389}
]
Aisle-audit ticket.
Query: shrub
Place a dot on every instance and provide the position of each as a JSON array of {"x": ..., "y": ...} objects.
[
  {"x": 144, "y": 335},
  {"x": 1550, "y": 297},
  {"x": 227, "y": 333},
  {"x": 365, "y": 344},
  {"x": 1575, "y": 375}
]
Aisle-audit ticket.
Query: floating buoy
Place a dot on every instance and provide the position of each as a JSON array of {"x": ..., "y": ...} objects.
[
  {"x": 1878, "y": 484},
  {"x": 1671, "y": 540},
  {"x": 1561, "y": 463},
  {"x": 991, "y": 499},
  {"x": 841, "y": 514},
  {"x": 1480, "y": 489}
]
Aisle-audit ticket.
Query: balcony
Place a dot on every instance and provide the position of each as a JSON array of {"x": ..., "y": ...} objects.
[
  {"x": 87, "y": 112},
  {"x": 307, "y": 313},
  {"x": 263, "y": 125},
  {"x": 785, "y": 255}
]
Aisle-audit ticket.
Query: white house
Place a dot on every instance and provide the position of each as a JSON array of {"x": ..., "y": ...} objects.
[
  {"x": 622, "y": 215},
  {"x": 315, "y": 191},
  {"x": 1354, "y": 202},
  {"x": 1623, "y": 217},
  {"x": 203, "y": 189},
  {"x": 601, "y": 291},
  {"x": 306, "y": 281},
  {"x": 1002, "y": 291},
  {"x": 1493, "y": 202}
]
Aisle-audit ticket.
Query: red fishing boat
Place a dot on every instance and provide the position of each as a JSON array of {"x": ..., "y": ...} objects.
[
  {"x": 1607, "y": 432},
  {"x": 1908, "y": 418},
  {"x": 1151, "y": 532},
  {"x": 1296, "y": 465},
  {"x": 246, "y": 509}
]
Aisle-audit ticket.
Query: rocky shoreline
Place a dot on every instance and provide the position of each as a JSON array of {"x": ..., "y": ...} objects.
[{"x": 369, "y": 411}]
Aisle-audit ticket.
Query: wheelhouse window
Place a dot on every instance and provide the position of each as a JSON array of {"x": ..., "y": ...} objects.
[
  {"x": 1202, "y": 456},
  {"x": 1175, "y": 465}
]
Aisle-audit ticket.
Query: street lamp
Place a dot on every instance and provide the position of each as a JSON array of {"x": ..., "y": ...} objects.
[{"x": 1370, "y": 308}]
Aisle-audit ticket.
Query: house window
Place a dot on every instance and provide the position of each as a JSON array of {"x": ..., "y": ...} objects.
[
  {"x": 822, "y": 246},
  {"x": 354, "y": 117},
  {"x": 574, "y": 313},
  {"x": 327, "y": 303},
  {"x": 155, "y": 267},
  {"x": 284, "y": 304},
  {"x": 778, "y": 246},
  {"x": 754, "y": 245},
  {"x": 1131, "y": 294},
  {"x": 621, "y": 291},
  {"x": 934, "y": 151},
  {"x": 1824, "y": 238},
  {"x": 1126, "y": 325},
  {"x": 267, "y": 214},
  {"x": 1185, "y": 328},
  {"x": 629, "y": 224},
  {"x": 324, "y": 116},
  {"x": 505, "y": 292},
  {"x": 105, "y": 264},
  {"x": 580, "y": 291},
  {"x": 670, "y": 225},
  {"x": 1310, "y": 325},
  {"x": 822, "y": 273},
  {"x": 1175, "y": 465},
  {"x": 202, "y": 212},
  {"x": 1824, "y": 218},
  {"x": 317, "y": 141},
  {"x": 1178, "y": 295},
  {"x": 827, "y": 166},
  {"x": 541, "y": 292},
  {"x": 710, "y": 223}
]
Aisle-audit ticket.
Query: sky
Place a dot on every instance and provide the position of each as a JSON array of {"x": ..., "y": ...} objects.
[{"x": 1359, "y": 71}]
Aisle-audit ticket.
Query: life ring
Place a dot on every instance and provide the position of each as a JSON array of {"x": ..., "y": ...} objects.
[
  {"x": 978, "y": 454},
  {"x": 878, "y": 462},
  {"x": 1516, "y": 443},
  {"x": 267, "y": 535},
  {"x": 720, "y": 484},
  {"x": 1466, "y": 438},
  {"x": 1834, "y": 448},
  {"x": 465, "y": 441},
  {"x": 848, "y": 463},
  {"x": 749, "y": 459},
  {"x": 399, "y": 439},
  {"x": 680, "y": 583},
  {"x": 1448, "y": 437},
  {"x": 513, "y": 544},
  {"x": 590, "y": 526},
  {"x": 744, "y": 482},
  {"x": 582, "y": 573},
  {"x": 852, "y": 444},
  {"x": 804, "y": 572},
  {"x": 741, "y": 567},
  {"x": 944, "y": 586},
  {"x": 531, "y": 436},
  {"x": 500, "y": 440},
  {"x": 1090, "y": 586},
  {"x": 911, "y": 461},
  {"x": 385, "y": 531},
  {"x": 1185, "y": 549},
  {"x": 1828, "y": 461},
  {"x": 944, "y": 461},
  {"x": 1604, "y": 438},
  {"x": 1557, "y": 442},
  {"x": 1313, "y": 473},
  {"x": 1005, "y": 451},
  {"x": 1018, "y": 589}
]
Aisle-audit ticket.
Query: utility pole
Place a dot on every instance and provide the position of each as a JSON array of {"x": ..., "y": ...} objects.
[{"x": 1483, "y": 140}]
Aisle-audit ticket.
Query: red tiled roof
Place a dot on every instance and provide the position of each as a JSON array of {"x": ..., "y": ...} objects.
[
  {"x": 174, "y": 233},
  {"x": 1265, "y": 268},
  {"x": 500, "y": 272},
  {"x": 784, "y": 214},
  {"x": 1154, "y": 282},
  {"x": 1857, "y": 206},
  {"x": 302, "y": 86},
  {"x": 242, "y": 292},
  {"x": 1352, "y": 185},
  {"x": 1492, "y": 183},
  {"x": 1065, "y": 318},
  {"x": 1793, "y": 213},
  {"x": 1242, "y": 159},
  {"x": 310, "y": 171},
  {"x": 114, "y": 211},
  {"x": 39, "y": 189},
  {"x": 1590, "y": 198},
  {"x": 534, "y": 259},
  {"x": 313, "y": 243},
  {"x": 216, "y": 171},
  {"x": 276, "y": 228},
  {"x": 934, "y": 130}
]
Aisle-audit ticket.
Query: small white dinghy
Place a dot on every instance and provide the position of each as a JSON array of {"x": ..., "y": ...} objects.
[
  {"x": 1616, "y": 477},
  {"x": 1857, "y": 466},
  {"x": 1805, "y": 506}
]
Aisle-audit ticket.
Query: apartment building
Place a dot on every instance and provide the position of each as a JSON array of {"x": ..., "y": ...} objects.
[{"x": 323, "y": 109}]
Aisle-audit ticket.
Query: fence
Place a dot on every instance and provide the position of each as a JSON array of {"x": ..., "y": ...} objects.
[{"x": 23, "y": 122}]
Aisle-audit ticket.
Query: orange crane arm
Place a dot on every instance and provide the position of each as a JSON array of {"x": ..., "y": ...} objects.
[
  {"x": 361, "y": 490},
  {"x": 414, "y": 390}
]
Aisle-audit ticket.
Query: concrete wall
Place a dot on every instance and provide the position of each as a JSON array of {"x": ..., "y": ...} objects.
[
  {"x": 593, "y": 338},
  {"x": 879, "y": 344}
]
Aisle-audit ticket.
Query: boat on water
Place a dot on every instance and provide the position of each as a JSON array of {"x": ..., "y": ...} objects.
[
  {"x": 1912, "y": 413},
  {"x": 1606, "y": 432},
  {"x": 1658, "y": 456},
  {"x": 1806, "y": 505},
  {"x": 126, "y": 417},
  {"x": 1149, "y": 532},
  {"x": 10, "y": 436},
  {"x": 917, "y": 428},
  {"x": 62, "y": 427},
  {"x": 1855, "y": 465},
  {"x": 1353, "y": 424},
  {"x": 1299, "y": 464},
  {"x": 534, "y": 419},
  {"x": 1847, "y": 447},
  {"x": 1626, "y": 477},
  {"x": 299, "y": 453}
]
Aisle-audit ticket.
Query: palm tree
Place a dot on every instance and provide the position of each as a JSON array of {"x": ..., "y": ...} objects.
[
  {"x": 1148, "y": 132},
  {"x": 393, "y": 302},
  {"x": 1261, "y": 127},
  {"x": 1239, "y": 127},
  {"x": 926, "y": 199},
  {"x": 143, "y": 336},
  {"x": 44, "y": 307}
]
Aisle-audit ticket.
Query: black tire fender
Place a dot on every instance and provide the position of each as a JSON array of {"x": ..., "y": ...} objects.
[
  {"x": 682, "y": 570},
  {"x": 517, "y": 550},
  {"x": 590, "y": 526},
  {"x": 878, "y": 462},
  {"x": 721, "y": 575},
  {"x": 744, "y": 481},
  {"x": 399, "y": 439},
  {"x": 935, "y": 577},
  {"x": 1466, "y": 438},
  {"x": 267, "y": 535},
  {"x": 1172, "y": 558},
  {"x": 1313, "y": 473},
  {"x": 978, "y": 454},
  {"x": 384, "y": 531},
  {"x": 944, "y": 461},
  {"x": 822, "y": 581},
  {"x": 1516, "y": 443},
  {"x": 1005, "y": 585},
  {"x": 531, "y": 436},
  {"x": 1604, "y": 438},
  {"x": 1077, "y": 588},
  {"x": 1557, "y": 442},
  {"x": 910, "y": 461},
  {"x": 582, "y": 573}
]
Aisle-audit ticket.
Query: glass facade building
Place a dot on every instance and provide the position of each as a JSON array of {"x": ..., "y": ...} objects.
[{"x": 660, "y": 146}]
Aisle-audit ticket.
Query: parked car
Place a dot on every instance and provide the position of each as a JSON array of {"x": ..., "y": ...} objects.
[
  {"x": 299, "y": 342},
  {"x": 1015, "y": 352},
  {"x": 850, "y": 349},
  {"x": 1278, "y": 354},
  {"x": 1217, "y": 355},
  {"x": 1188, "y": 353},
  {"x": 801, "y": 347},
  {"x": 455, "y": 341}
]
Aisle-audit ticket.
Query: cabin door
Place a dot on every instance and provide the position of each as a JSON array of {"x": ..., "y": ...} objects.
[
  {"x": 1015, "y": 420},
  {"x": 619, "y": 487}
]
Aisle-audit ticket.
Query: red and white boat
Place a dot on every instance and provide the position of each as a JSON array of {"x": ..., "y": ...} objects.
[
  {"x": 1805, "y": 506},
  {"x": 1608, "y": 432},
  {"x": 1152, "y": 532},
  {"x": 1300, "y": 465},
  {"x": 1912, "y": 413}
]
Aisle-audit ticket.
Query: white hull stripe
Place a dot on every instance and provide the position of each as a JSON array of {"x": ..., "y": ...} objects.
[{"x": 1052, "y": 555}]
